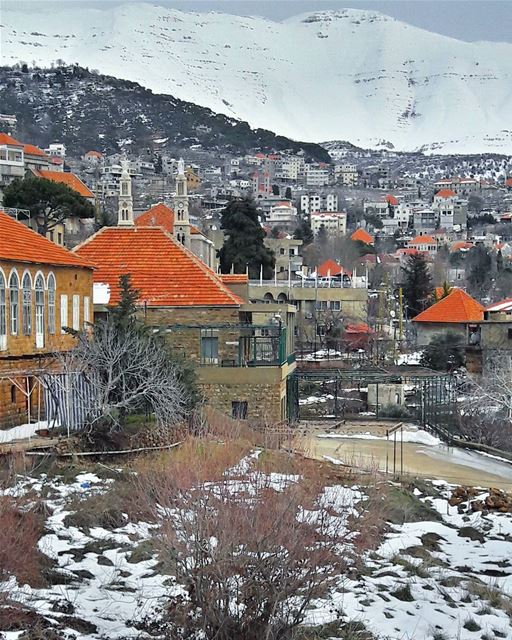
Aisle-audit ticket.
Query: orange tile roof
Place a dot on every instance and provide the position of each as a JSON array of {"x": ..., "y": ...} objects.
[
  {"x": 362, "y": 327},
  {"x": 94, "y": 154},
  {"x": 445, "y": 193},
  {"x": 457, "y": 307},
  {"x": 7, "y": 139},
  {"x": 422, "y": 240},
  {"x": 460, "y": 245},
  {"x": 165, "y": 273},
  {"x": 508, "y": 182},
  {"x": 390, "y": 199},
  {"x": 32, "y": 150},
  {"x": 160, "y": 215},
  {"x": 69, "y": 179},
  {"x": 362, "y": 235},
  {"x": 329, "y": 268},
  {"x": 20, "y": 244}
]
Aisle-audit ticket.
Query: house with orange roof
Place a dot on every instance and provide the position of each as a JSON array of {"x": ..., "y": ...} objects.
[
  {"x": 458, "y": 312},
  {"x": 424, "y": 244},
  {"x": 360, "y": 235},
  {"x": 242, "y": 367},
  {"x": 383, "y": 207},
  {"x": 452, "y": 210},
  {"x": 70, "y": 180},
  {"x": 43, "y": 289}
]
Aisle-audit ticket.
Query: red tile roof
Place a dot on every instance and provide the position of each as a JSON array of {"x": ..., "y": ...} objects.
[
  {"x": 457, "y": 307},
  {"x": 362, "y": 235},
  {"x": 94, "y": 154},
  {"x": 422, "y": 240},
  {"x": 461, "y": 245},
  {"x": 32, "y": 150},
  {"x": 20, "y": 244},
  {"x": 358, "y": 328},
  {"x": 165, "y": 273},
  {"x": 390, "y": 199},
  {"x": 508, "y": 182},
  {"x": 160, "y": 215},
  {"x": 7, "y": 139},
  {"x": 69, "y": 179},
  {"x": 445, "y": 193},
  {"x": 329, "y": 268}
]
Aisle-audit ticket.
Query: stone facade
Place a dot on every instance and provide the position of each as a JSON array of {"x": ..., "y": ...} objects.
[{"x": 20, "y": 395}]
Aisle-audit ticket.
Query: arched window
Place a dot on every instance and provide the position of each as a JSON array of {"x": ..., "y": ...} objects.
[
  {"x": 39, "y": 287},
  {"x": 27, "y": 304},
  {"x": 14, "y": 299},
  {"x": 51, "y": 304},
  {"x": 3, "y": 313}
]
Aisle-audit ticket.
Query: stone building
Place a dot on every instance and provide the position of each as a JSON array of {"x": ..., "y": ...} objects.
[
  {"x": 242, "y": 364},
  {"x": 43, "y": 288},
  {"x": 458, "y": 312}
]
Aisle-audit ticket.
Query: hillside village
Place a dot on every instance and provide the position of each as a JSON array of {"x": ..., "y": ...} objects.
[{"x": 197, "y": 342}]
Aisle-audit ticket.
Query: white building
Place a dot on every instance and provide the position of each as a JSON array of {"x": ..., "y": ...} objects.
[
  {"x": 317, "y": 175},
  {"x": 56, "y": 149},
  {"x": 314, "y": 202},
  {"x": 335, "y": 222},
  {"x": 460, "y": 186},
  {"x": 292, "y": 168},
  {"x": 346, "y": 174},
  {"x": 282, "y": 214}
]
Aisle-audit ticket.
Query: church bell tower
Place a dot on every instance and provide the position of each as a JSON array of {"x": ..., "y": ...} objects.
[
  {"x": 181, "y": 219},
  {"x": 125, "y": 207}
]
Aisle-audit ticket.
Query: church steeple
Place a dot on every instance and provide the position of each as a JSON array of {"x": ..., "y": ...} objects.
[
  {"x": 181, "y": 219},
  {"x": 125, "y": 208}
]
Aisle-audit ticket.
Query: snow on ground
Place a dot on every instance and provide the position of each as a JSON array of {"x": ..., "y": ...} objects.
[
  {"x": 419, "y": 436},
  {"x": 420, "y": 581},
  {"x": 22, "y": 431},
  {"x": 409, "y": 358}
]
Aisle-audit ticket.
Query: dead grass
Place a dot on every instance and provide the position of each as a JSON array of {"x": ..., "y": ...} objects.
[{"x": 492, "y": 594}]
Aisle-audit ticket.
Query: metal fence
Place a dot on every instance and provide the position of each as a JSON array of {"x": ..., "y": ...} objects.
[{"x": 69, "y": 400}]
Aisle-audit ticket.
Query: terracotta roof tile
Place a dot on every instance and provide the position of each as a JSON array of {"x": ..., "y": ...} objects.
[
  {"x": 362, "y": 235},
  {"x": 32, "y": 150},
  {"x": 457, "y": 307},
  {"x": 422, "y": 240},
  {"x": 7, "y": 139},
  {"x": 160, "y": 215},
  {"x": 445, "y": 193},
  {"x": 232, "y": 278},
  {"x": 329, "y": 268},
  {"x": 392, "y": 200},
  {"x": 21, "y": 244},
  {"x": 165, "y": 273},
  {"x": 69, "y": 179}
]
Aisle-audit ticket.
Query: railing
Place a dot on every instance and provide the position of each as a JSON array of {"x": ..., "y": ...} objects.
[{"x": 357, "y": 283}]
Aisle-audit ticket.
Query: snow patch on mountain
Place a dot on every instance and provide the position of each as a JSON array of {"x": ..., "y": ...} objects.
[{"x": 351, "y": 74}]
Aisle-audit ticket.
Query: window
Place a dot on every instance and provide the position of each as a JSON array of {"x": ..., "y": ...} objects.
[
  {"x": 3, "y": 313},
  {"x": 239, "y": 409},
  {"x": 209, "y": 349},
  {"x": 27, "y": 305},
  {"x": 51, "y": 304},
  {"x": 13, "y": 394},
  {"x": 510, "y": 334},
  {"x": 14, "y": 299},
  {"x": 59, "y": 238},
  {"x": 87, "y": 306},
  {"x": 321, "y": 305},
  {"x": 63, "y": 313},
  {"x": 336, "y": 305},
  {"x": 76, "y": 312},
  {"x": 39, "y": 289}
]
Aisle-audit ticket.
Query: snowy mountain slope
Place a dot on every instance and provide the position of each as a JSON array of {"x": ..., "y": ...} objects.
[{"x": 350, "y": 74}]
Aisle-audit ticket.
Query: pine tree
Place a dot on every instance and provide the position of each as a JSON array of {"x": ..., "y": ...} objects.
[
  {"x": 304, "y": 232},
  {"x": 243, "y": 245},
  {"x": 275, "y": 189},
  {"x": 288, "y": 193},
  {"x": 123, "y": 314},
  {"x": 417, "y": 286},
  {"x": 322, "y": 235}
]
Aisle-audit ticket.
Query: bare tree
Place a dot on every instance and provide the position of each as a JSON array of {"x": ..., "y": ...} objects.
[
  {"x": 252, "y": 551},
  {"x": 126, "y": 371},
  {"x": 485, "y": 415}
]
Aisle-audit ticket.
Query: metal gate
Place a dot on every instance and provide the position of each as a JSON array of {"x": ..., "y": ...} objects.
[{"x": 69, "y": 400}]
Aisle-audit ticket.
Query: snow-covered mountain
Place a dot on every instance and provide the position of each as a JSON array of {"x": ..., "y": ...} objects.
[{"x": 350, "y": 74}]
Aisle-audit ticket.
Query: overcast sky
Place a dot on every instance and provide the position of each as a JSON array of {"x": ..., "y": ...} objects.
[{"x": 464, "y": 19}]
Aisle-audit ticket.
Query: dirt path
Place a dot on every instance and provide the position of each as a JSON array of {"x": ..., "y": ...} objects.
[{"x": 457, "y": 466}]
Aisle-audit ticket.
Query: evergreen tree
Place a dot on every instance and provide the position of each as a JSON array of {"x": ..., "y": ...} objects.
[
  {"x": 499, "y": 261},
  {"x": 288, "y": 193},
  {"x": 445, "y": 291},
  {"x": 304, "y": 232},
  {"x": 417, "y": 286},
  {"x": 124, "y": 312},
  {"x": 478, "y": 270},
  {"x": 243, "y": 245},
  {"x": 50, "y": 203},
  {"x": 322, "y": 235},
  {"x": 275, "y": 189},
  {"x": 445, "y": 352}
]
